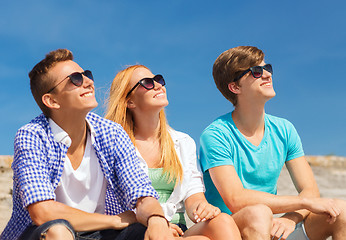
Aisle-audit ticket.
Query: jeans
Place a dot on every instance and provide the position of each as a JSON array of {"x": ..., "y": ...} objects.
[{"x": 135, "y": 231}]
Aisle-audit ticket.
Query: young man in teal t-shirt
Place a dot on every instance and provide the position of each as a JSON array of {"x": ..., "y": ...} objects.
[{"x": 242, "y": 154}]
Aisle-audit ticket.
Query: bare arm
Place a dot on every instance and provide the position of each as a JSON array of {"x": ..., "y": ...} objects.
[
  {"x": 157, "y": 226},
  {"x": 236, "y": 196},
  {"x": 304, "y": 181},
  {"x": 198, "y": 209},
  {"x": 44, "y": 211}
]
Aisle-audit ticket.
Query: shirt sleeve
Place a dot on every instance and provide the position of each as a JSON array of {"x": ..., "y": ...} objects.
[
  {"x": 215, "y": 149},
  {"x": 195, "y": 184},
  {"x": 30, "y": 171},
  {"x": 132, "y": 179},
  {"x": 294, "y": 144}
]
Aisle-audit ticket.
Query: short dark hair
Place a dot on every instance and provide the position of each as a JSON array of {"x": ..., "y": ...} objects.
[
  {"x": 230, "y": 64},
  {"x": 39, "y": 82}
]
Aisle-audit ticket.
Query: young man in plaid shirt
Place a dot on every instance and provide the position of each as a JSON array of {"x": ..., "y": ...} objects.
[{"x": 76, "y": 175}]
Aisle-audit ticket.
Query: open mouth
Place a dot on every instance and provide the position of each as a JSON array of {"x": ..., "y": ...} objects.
[
  {"x": 159, "y": 95},
  {"x": 88, "y": 94},
  {"x": 267, "y": 84}
]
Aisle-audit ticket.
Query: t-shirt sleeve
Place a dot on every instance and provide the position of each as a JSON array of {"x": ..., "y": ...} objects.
[
  {"x": 215, "y": 149},
  {"x": 294, "y": 144}
]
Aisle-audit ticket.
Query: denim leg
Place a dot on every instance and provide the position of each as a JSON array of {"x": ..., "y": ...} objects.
[
  {"x": 135, "y": 231},
  {"x": 34, "y": 232}
]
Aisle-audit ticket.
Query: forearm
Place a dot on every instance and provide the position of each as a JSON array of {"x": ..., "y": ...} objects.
[
  {"x": 146, "y": 207},
  {"x": 278, "y": 204},
  {"x": 299, "y": 215},
  {"x": 191, "y": 204},
  {"x": 42, "y": 212}
]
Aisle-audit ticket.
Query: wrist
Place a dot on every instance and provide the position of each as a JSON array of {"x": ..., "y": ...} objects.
[
  {"x": 293, "y": 216},
  {"x": 157, "y": 217}
]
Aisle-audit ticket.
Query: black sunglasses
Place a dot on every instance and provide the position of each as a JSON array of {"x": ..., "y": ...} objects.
[
  {"x": 76, "y": 78},
  {"x": 256, "y": 71},
  {"x": 148, "y": 83}
]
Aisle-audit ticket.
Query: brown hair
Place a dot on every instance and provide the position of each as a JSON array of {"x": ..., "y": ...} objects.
[
  {"x": 39, "y": 82},
  {"x": 117, "y": 111},
  {"x": 230, "y": 64}
]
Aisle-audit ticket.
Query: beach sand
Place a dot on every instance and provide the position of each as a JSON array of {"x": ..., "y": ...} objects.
[{"x": 330, "y": 174}]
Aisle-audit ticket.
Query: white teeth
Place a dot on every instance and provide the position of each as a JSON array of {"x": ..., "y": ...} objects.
[
  {"x": 159, "y": 95},
  {"x": 87, "y": 94}
]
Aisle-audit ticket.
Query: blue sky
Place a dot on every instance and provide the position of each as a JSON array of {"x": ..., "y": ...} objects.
[{"x": 304, "y": 40}]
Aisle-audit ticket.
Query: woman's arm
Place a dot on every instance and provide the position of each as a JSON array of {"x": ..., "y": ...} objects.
[{"x": 198, "y": 209}]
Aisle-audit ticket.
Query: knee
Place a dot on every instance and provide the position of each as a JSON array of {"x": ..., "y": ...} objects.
[
  {"x": 341, "y": 204},
  {"x": 59, "y": 232},
  {"x": 224, "y": 219},
  {"x": 258, "y": 215}
]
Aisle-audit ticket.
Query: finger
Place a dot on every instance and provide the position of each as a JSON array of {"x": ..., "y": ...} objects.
[
  {"x": 279, "y": 233},
  {"x": 217, "y": 211},
  {"x": 199, "y": 212},
  {"x": 285, "y": 235},
  {"x": 209, "y": 215},
  {"x": 274, "y": 229},
  {"x": 178, "y": 229},
  {"x": 331, "y": 219}
]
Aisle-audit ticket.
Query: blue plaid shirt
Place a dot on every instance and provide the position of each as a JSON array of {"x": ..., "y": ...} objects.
[{"x": 39, "y": 161}]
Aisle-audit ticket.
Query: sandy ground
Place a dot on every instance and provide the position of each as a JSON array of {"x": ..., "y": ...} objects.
[{"x": 330, "y": 174}]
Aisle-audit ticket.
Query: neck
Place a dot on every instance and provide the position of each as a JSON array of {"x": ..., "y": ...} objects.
[
  {"x": 74, "y": 126},
  {"x": 249, "y": 118},
  {"x": 146, "y": 125}
]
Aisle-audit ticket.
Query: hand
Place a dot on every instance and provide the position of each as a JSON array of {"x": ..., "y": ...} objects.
[
  {"x": 324, "y": 206},
  {"x": 205, "y": 211},
  {"x": 282, "y": 227},
  {"x": 158, "y": 230},
  {"x": 176, "y": 231},
  {"x": 124, "y": 219}
]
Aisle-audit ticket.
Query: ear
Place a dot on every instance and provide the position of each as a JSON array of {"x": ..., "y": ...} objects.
[
  {"x": 130, "y": 104},
  {"x": 234, "y": 87},
  {"x": 49, "y": 101}
]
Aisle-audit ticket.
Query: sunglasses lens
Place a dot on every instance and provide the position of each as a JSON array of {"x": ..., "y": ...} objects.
[
  {"x": 257, "y": 71},
  {"x": 268, "y": 67},
  {"x": 147, "y": 83},
  {"x": 88, "y": 74},
  {"x": 76, "y": 79},
  {"x": 160, "y": 79}
]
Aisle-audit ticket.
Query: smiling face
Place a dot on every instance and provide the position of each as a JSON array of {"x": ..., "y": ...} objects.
[
  {"x": 142, "y": 99},
  {"x": 254, "y": 89},
  {"x": 67, "y": 97}
]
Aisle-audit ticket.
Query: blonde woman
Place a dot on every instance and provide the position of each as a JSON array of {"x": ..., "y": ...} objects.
[{"x": 137, "y": 100}]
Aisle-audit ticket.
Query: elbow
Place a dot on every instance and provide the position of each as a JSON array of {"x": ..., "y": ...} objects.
[
  {"x": 235, "y": 204},
  {"x": 42, "y": 212}
]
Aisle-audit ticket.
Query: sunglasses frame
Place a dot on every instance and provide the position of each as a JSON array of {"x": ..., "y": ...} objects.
[
  {"x": 268, "y": 67},
  {"x": 140, "y": 82},
  {"x": 76, "y": 79}
]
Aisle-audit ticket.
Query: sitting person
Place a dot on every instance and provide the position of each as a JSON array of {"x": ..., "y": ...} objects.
[
  {"x": 76, "y": 175},
  {"x": 243, "y": 152},
  {"x": 137, "y": 100}
]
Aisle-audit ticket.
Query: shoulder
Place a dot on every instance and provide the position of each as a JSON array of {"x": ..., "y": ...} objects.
[
  {"x": 222, "y": 126},
  {"x": 101, "y": 124},
  {"x": 36, "y": 126},
  {"x": 278, "y": 122},
  {"x": 179, "y": 137}
]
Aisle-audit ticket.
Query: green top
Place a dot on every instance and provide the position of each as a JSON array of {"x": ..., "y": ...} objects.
[{"x": 164, "y": 189}]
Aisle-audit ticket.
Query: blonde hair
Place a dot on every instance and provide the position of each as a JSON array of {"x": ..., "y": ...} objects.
[{"x": 117, "y": 111}]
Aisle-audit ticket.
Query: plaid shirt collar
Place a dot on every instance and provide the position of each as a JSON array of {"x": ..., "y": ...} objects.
[{"x": 61, "y": 136}]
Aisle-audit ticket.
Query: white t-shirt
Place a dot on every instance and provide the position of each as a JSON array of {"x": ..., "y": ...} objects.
[{"x": 85, "y": 187}]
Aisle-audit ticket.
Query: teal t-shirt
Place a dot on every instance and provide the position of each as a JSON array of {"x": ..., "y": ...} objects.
[{"x": 258, "y": 167}]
